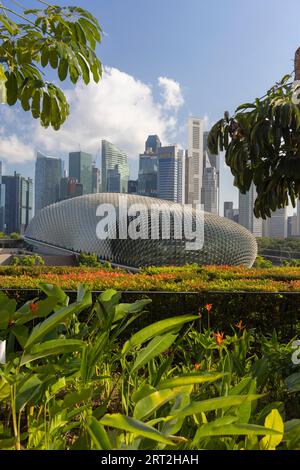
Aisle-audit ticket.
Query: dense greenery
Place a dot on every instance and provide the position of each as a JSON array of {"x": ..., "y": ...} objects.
[
  {"x": 62, "y": 38},
  {"x": 291, "y": 245},
  {"x": 262, "y": 145},
  {"x": 177, "y": 279},
  {"x": 27, "y": 260},
  {"x": 76, "y": 376}
]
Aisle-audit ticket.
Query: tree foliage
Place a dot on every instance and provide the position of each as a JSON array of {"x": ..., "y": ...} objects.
[
  {"x": 62, "y": 38},
  {"x": 262, "y": 145}
]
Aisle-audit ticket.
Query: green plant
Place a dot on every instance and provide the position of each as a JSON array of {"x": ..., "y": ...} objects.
[
  {"x": 262, "y": 145},
  {"x": 2, "y": 235},
  {"x": 27, "y": 260},
  {"x": 89, "y": 260},
  {"x": 15, "y": 236},
  {"x": 82, "y": 376},
  {"x": 262, "y": 262},
  {"x": 63, "y": 38}
]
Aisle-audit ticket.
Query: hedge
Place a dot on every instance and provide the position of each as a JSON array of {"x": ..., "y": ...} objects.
[{"x": 171, "y": 279}]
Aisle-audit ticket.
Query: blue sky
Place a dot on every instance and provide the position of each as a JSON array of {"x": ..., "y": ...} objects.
[{"x": 220, "y": 54}]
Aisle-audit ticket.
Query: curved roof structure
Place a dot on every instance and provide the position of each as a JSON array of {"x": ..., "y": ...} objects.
[{"x": 73, "y": 225}]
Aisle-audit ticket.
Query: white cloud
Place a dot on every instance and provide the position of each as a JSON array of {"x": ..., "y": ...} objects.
[
  {"x": 13, "y": 150},
  {"x": 171, "y": 93},
  {"x": 120, "y": 109}
]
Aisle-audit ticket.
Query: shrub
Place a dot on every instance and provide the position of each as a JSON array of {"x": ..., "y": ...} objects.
[
  {"x": 15, "y": 235},
  {"x": 89, "y": 260},
  {"x": 27, "y": 260},
  {"x": 72, "y": 372}
]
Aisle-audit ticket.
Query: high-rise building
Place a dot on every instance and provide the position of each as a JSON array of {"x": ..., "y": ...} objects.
[
  {"x": 95, "y": 179},
  {"x": 210, "y": 189},
  {"x": 194, "y": 162},
  {"x": 2, "y": 202},
  {"x": 114, "y": 181},
  {"x": 230, "y": 212},
  {"x": 211, "y": 179},
  {"x": 80, "y": 167},
  {"x": 152, "y": 145},
  {"x": 113, "y": 157},
  {"x": 292, "y": 226},
  {"x": 246, "y": 214},
  {"x": 48, "y": 172},
  {"x": 132, "y": 187},
  {"x": 170, "y": 174},
  {"x": 276, "y": 225},
  {"x": 69, "y": 187},
  {"x": 147, "y": 179},
  {"x": 18, "y": 203}
]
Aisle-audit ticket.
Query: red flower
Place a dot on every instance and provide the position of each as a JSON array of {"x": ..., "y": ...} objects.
[
  {"x": 240, "y": 325},
  {"x": 208, "y": 307},
  {"x": 219, "y": 337},
  {"x": 197, "y": 366},
  {"x": 33, "y": 307}
]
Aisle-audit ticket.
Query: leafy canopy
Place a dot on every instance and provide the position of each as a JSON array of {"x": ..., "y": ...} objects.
[
  {"x": 262, "y": 145},
  {"x": 63, "y": 38}
]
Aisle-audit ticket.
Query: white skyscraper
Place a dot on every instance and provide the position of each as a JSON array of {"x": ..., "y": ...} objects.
[
  {"x": 276, "y": 226},
  {"x": 246, "y": 214},
  {"x": 194, "y": 162}
]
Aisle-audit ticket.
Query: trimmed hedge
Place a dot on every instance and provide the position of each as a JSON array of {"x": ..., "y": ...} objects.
[{"x": 171, "y": 279}]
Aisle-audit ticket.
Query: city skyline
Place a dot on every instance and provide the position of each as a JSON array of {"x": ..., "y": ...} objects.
[{"x": 154, "y": 91}]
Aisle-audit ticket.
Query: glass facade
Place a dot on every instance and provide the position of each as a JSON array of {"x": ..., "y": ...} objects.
[
  {"x": 18, "y": 203},
  {"x": 48, "y": 172},
  {"x": 170, "y": 181},
  {"x": 72, "y": 225},
  {"x": 113, "y": 157},
  {"x": 80, "y": 167}
]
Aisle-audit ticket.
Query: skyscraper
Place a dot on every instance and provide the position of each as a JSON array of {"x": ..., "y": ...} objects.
[
  {"x": 194, "y": 162},
  {"x": 48, "y": 171},
  {"x": 276, "y": 226},
  {"x": 2, "y": 202},
  {"x": 80, "y": 167},
  {"x": 113, "y": 157},
  {"x": 18, "y": 202},
  {"x": 132, "y": 187},
  {"x": 170, "y": 174},
  {"x": 210, "y": 186},
  {"x": 69, "y": 187},
  {"x": 152, "y": 145},
  {"x": 246, "y": 214},
  {"x": 95, "y": 179},
  {"x": 147, "y": 179},
  {"x": 210, "y": 191},
  {"x": 211, "y": 179}
]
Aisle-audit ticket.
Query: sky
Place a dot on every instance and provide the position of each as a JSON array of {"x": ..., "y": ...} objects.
[{"x": 163, "y": 61}]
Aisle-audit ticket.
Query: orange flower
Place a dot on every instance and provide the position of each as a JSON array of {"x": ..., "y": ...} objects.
[
  {"x": 197, "y": 366},
  {"x": 208, "y": 307},
  {"x": 33, "y": 307},
  {"x": 240, "y": 325},
  {"x": 219, "y": 337}
]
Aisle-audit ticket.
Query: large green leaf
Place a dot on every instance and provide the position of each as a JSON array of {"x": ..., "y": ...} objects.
[
  {"x": 189, "y": 379},
  {"x": 272, "y": 421},
  {"x": 28, "y": 391},
  {"x": 52, "y": 322},
  {"x": 98, "y": 434},
  {"x": 52, "y": 348},
  {"x": 152, "y": 402},
  {"x": 155, "y": 329},
  {"x": 157, "y": 346},
  {"x": 228, "y": 426},
  {"x": 138, "y": 428},
  {"x": 213, "y": 404}
]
